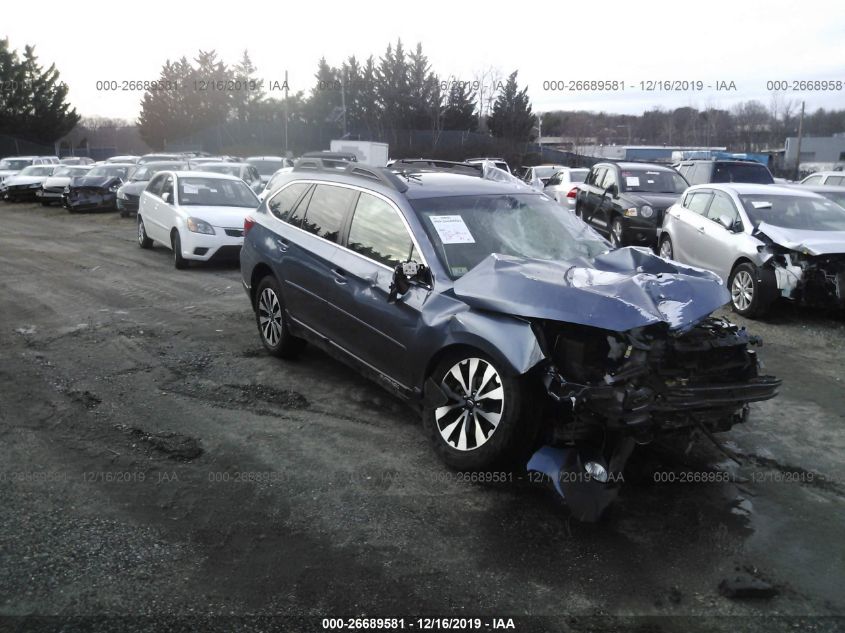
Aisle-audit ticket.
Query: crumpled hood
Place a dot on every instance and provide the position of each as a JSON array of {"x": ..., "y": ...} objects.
[
  {"x": 8, "y": 172},
  {"x": 103, "y": 182},
  {"x": 808, "y": 242},
  {"x": 619, "y": 290},
  {"x": 24, "y": 180},
  {"x": 57, "y": 181}
]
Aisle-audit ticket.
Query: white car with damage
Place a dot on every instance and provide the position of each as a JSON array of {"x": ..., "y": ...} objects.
[{"x": 764, "y": 241}]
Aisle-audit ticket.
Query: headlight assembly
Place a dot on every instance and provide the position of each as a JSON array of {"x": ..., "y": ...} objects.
[
  {"x": 646, "y": 211},
  {"x": 196, "y": 225}
]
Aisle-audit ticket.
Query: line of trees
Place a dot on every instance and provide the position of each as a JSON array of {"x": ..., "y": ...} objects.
[
  {"x": 373, "y": 98},
  {"x": 747, "y": 126},
  {"x": 33, "y": 101}
]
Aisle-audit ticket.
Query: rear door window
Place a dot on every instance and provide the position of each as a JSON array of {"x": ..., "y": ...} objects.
[
  {"x": 327, "y": 211},
  {"x": 834, "y": 180}
]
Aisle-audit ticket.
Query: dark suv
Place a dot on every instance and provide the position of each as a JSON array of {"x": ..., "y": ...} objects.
[
  {"x": 509, "y": 324},
  {"x": 706, "y": 171},
  {"x": 626, "y": 201}
]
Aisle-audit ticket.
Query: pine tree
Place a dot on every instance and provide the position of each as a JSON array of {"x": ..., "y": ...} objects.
[
  {"x": 33, "y": 102},
  {"x": 249, "y": 89},
  {"x": 511, "y": 117},
  {"x": 459, "y": 110}
]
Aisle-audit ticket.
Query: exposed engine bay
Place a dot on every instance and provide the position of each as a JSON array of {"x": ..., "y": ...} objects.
[{"x": 611, "y": 390}]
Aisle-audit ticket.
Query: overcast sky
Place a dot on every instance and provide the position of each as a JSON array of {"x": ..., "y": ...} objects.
[{"x": 744, "y": 42}]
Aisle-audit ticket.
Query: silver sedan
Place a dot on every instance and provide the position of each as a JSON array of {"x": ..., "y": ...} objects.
[{"x": 764, "y": 241}]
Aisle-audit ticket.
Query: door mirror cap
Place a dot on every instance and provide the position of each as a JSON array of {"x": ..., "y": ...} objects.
[
  {"x": 726, "y": 222},
  {"x": 611, "y": 190},
  {"x": 166, "y": 196}
]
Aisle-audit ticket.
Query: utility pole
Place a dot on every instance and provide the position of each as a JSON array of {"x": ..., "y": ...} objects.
[
  {"x": 540, "y": 131},
  {"x": 798, "y": 149},
  {"x": 286, "y": 114},
  {"x": 343, "y": 98}
]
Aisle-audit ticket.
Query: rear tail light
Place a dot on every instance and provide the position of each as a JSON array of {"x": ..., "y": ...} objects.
[
  {"x": 248, "y": 224},
  {"x": 573, "y": 193}
]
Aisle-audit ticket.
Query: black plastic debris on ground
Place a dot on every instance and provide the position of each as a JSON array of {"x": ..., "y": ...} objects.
[
  {"x": 172, "y": 445},
  {"x": 741, "y": 586},
  {"x": 85, "y": 398}
]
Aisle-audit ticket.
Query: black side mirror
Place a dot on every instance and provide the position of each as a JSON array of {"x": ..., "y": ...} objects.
[
  {"x": 403, "y": 274},
  {"x": 611, "y": 190}
]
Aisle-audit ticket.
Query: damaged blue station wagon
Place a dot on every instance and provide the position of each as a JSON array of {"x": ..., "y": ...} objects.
[{"x": 514, "y": 327}]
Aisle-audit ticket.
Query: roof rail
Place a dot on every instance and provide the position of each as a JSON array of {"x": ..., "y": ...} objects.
[
  {"x": 357, "y": 170},
  {"x": 430, "y": 164}
]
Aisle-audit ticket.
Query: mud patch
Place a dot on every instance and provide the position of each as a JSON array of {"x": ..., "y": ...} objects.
[
  {"x": 85, "y": 398},
  {"x": 285, "y": 398},
  {"x": 171, "y": 445}
]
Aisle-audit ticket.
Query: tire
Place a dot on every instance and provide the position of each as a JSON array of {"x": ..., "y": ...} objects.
[
  {"x": 271, "y": 320},
  {"x": 747, "y": 292},
  {"x": 462, "y": 437},
  {"x": 143, "y": 240},
  {"x": 617, "y": 232},
  {"x": 666, "y": 250},
  {"x": 45, "y": 203},
  {"x": 179, "y": 262},
  {"x": 124, "y": 213}
]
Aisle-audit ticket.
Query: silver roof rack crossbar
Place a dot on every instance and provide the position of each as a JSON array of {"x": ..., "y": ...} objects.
[{"x": 356, "y": 170}]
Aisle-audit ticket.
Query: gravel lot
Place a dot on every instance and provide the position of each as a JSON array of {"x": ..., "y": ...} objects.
[{"x": 156, "y": 465}]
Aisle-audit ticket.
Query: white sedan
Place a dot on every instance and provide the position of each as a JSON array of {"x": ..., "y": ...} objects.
[
  {"x": 563, "y": 186},
  {"x": 198, "y": 215}
]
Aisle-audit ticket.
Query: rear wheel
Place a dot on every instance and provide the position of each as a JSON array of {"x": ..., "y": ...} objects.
[
  {"x": 480, "y": 423},
  {"x": 176, "y": 243},
  {"x": 143, "y": 240},
  {"x": 45, "y": 203},
  {"x": 272, "y": 322},
  {"x": 666, "y": 251}
]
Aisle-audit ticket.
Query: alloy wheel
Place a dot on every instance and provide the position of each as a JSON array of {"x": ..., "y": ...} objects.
[
  {"x": 616, "y": 233},
  {"x": 666, "y": 249},
  {"x": 142, "y": 234},
  {"x": 476, "y": 401},
  {"x": 270, "y": 317},
  {"x": 742, "y": 290}
]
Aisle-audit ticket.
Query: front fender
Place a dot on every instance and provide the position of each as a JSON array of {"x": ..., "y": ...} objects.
[{"x": 507, "y": 340}]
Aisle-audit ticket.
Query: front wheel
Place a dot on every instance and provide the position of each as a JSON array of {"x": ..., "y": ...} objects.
[
  {"x": 666, "y": 251},
  {"x": 143, "y": 240},
  {"x": 480, "y": 423},
  {"x": 747, "y": 296},
  {"x": 616, "y": 232},
  {"x": 179, "y": 262}
]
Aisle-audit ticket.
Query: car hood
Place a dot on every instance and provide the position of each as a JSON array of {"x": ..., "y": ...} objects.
[
  {"x": 620, "y": 290},
  {"x": 23, "y": 180},
  {"x": 808, "y": 242},
  {"x": 656, "y": 200},
  {"x": 134, "y": 187},
  {"x": 57, "y": 181},
  {"x": 8, "y": 172},
  {"x": 221, "y": 217},
  {"x": 94, "y": 181}
]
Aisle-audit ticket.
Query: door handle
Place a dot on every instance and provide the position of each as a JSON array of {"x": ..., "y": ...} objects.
[
  {"x": 701, "y": 229},
  {"x": 282, "y": 244},
  {"x": 339, "y": 275}
]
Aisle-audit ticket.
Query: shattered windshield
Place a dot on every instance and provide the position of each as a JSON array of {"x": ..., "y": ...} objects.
[
  {"x": 467, "y": 229},
  {"x": 794, "y": 212}
]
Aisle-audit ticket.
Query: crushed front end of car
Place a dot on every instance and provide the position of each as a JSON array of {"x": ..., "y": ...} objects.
[
  {"x": 631, "y": 353},
  {"x": 804, "y": 266}
]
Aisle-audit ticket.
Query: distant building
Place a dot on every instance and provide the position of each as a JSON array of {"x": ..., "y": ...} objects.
[
  {"x": 654, "y": 153},
  {"x": 816, "y": 149}
]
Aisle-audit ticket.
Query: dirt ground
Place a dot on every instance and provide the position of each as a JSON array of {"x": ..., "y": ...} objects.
[{"x": 159, "y": 470}]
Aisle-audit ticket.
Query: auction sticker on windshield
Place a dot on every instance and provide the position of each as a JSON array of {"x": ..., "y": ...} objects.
[
  {"x": 451, "y": 229},
  {"x": 632, "y": 181}
]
